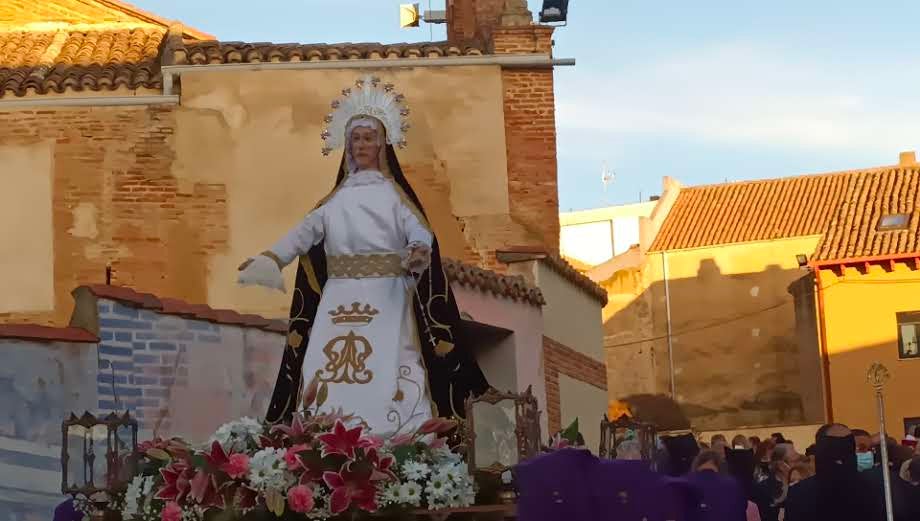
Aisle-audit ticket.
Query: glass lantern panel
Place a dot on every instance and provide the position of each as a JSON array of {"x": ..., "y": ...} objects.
[{"x": 496, "y": 436}]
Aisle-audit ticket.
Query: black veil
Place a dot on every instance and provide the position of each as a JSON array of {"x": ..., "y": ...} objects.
[{"x": 452, "y": 371}]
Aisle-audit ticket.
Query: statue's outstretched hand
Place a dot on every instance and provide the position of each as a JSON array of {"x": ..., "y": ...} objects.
[
  {"x": 261, "y": 270},
  {"x": 418, "y": 258}
]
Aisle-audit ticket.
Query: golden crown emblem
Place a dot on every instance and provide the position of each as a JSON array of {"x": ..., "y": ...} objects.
[{"x": 356, "y": 315}]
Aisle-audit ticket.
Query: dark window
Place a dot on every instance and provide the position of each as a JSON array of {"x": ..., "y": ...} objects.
[
  {"x": 909, "y": 335},
  {"x": 894, "y": 221},
  {"x": 912, "y": 426}
]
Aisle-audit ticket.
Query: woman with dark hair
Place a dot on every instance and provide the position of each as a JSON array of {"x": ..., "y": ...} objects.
[{"x": 373, "y": 319}]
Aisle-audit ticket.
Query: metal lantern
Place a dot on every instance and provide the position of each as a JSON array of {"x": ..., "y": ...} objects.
[
  {"x": 104, "y": 447},
  {"x": 502, "y": 429},
  {"x": 615, "y": 432}
]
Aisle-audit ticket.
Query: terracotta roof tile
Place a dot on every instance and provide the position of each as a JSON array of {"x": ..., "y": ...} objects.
[
  {"x": 171, "y": 306},
  {"x": 854, "y": 233},
  {"x": 557, "y": 264},
  {"x": 755, "y": 210},
  {"x": 72, "y": 57},
  {"x": 213, "y": 52},
  {"x": 46, "y": 334},
  {"x": 19, "y": 13},
  {"x": 513, "y": 287}
]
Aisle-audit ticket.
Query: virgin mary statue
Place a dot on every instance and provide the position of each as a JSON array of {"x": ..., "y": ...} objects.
[{"x": 373, "y": 321}]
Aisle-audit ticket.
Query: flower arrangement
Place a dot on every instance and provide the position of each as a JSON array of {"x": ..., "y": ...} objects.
[{"x": 318, "y": 467}]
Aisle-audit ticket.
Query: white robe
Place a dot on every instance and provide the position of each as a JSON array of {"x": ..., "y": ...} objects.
[{"x": 372, "y": 370}]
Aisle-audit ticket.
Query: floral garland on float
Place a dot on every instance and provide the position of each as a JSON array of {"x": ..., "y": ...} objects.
[{"x": 315, "y": 468}]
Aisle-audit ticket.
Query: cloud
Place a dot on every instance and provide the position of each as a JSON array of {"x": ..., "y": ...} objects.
[{"x": 741, "y": 94}]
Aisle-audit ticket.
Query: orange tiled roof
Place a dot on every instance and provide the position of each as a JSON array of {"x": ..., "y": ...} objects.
[
  {"x": 754, "y": 210},
  {"x": 80, "y": 57},
  {"x": 46, "y": 333},
  {"x": 213, "y": 52},
  {"x": 18, "y": 13},
  {"x": 853, "y": 232}
]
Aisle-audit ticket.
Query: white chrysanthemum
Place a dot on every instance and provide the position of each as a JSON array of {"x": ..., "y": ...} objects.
[
  {"x": 267, "y": 470},
  {"x": 415, "y": 470},
  {"x": 238, "y": 435},
  {"x": 445, "y": 455},
  {"x": 390, "y": 494},
  {"x": 438, "y": 487},
  {"x": 410, "y": 493}
]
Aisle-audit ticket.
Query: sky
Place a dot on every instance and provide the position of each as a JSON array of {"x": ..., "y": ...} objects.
[{"x": 705, "y": 92}]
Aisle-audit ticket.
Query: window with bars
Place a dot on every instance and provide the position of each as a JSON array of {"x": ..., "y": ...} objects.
[{"x": 909, "y": 335}]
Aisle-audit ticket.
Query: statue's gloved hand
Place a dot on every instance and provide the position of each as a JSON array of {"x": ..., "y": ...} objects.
[
  {"x": 417, "y": 258},
  {"x": 261, "y": 270}
]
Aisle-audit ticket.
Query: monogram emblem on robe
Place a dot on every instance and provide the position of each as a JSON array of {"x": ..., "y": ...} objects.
[{"x": 346, "y": 356}]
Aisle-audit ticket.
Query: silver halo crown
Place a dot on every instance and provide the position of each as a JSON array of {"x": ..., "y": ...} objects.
[{"x": 367, "y": 98}]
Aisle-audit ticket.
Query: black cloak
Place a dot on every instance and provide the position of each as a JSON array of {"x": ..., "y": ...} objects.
[{"x": 452, "y": 371}]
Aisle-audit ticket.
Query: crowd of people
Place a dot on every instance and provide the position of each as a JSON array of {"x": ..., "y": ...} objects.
[{"x": 839, "y": 476}]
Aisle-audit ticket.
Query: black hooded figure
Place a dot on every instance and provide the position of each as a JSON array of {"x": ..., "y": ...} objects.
[
  {"x": 452, "y": 372},
  {"x": 836, "y": 491}
]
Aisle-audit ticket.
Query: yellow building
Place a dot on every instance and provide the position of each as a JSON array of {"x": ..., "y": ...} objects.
[
  {"x": 868, "y": 270},
  {"x": 716, "y": 306}
]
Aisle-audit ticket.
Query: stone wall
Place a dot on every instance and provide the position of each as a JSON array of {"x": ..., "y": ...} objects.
[{"x": 41, "y": 381}]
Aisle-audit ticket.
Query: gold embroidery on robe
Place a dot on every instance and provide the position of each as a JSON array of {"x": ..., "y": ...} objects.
[
  {"x": 346, "y": 360},
  {"x": 364, "y": 266}
]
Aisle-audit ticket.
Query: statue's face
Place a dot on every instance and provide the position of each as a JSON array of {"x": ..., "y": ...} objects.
[{"x": 365, "y": 148}]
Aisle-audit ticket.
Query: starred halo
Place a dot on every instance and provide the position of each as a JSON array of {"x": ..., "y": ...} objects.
[{"x": 368, "y": 97}]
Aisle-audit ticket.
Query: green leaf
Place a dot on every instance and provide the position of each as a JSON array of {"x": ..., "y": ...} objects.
[
  {"x": 198, "y": 461},
  {"x": 404, "y": 453},
  {"x": 570, "y": 433}
]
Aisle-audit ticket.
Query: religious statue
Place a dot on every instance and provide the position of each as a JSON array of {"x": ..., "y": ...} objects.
[{"x": 373, "y": 320}]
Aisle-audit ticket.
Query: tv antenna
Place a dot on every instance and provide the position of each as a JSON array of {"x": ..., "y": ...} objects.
[{"x": 607, "y": 176}]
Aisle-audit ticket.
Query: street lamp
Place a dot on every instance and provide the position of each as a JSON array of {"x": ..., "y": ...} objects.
[
  {"x": 104, "y": 447},
  {"x": 554, "y": 11}
]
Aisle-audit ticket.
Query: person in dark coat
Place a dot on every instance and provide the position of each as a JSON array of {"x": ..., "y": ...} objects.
[
  {"x": 740, "y": 465},
  {"x": 681, "y": 450},
  {"x": 835, "y": 492},
  {"x": 900, "y": 489},
  {"x": 722, "y": 498}
]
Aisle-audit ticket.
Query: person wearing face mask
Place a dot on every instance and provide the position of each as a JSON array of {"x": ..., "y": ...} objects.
[{"x": 836, "y": 491}]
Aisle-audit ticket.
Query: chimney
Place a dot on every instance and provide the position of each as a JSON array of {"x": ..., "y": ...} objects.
[
  {"x": 908, "y": 158},
  {"x": 477, "y": 19}
]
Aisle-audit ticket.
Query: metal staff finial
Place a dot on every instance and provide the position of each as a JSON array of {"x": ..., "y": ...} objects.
[{"x": 877, "y": 376}]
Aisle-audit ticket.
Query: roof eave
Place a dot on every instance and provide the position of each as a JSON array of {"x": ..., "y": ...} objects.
[{"x": 874, "y": 259}]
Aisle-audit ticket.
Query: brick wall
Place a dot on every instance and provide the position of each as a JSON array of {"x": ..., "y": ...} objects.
[
  {"x": 468, "y": 19},
  {"x": 114, "y": 165},
  {"x": 530, "y": 135},
  {"x": 164, "y": 368},
  {"x": 561, "y": 359}
]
